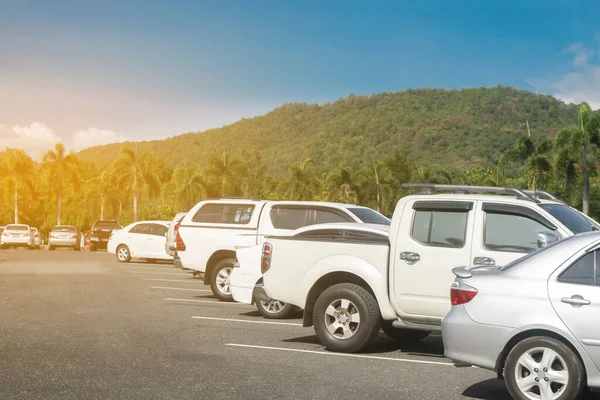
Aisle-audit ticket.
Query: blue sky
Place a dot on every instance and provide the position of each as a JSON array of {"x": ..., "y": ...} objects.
[{"x": 89, "y": 72}]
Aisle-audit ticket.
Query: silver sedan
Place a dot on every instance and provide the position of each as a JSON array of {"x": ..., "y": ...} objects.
[{"x": 536, "y": 321}]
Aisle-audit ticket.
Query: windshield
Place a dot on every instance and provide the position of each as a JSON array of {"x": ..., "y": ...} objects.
[
  {"x": 17, "y": 228},
  {"x": 572, "y": 219},
  {"x": 107, "y": 224},
  {"x": 369, "y": 216},
  {"x": 64, "y": 229}
]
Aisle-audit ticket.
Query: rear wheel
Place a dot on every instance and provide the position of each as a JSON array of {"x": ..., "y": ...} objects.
[
  {"x": 346, "y": 318},
  {"x": 92, "y": 248},
  {"x": 220, "y": 280},
  {"x": 123, "y": 254},
  {"x": 543, "y": 368},
  {"x": 403, "y": 336},
  {"x": 50, "y": 247},
  {"x": 274, "y": 309},
  {"x": 77, "y": 248}
]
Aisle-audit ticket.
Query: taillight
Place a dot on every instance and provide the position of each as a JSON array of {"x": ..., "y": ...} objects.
[
  {"x": 461, "y": 293},
  {"x": 74, "y": 237},
  {"x": 52, "y": 236},
  {"x": 236, "y": 263},
  {"x": 5, "y": 234},
  {"x": 265, "y": 260},
  {"x": 179, "y": 244}
]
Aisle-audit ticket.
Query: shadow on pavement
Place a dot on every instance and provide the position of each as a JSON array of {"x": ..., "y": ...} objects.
[{"x": 491, "y": 389}]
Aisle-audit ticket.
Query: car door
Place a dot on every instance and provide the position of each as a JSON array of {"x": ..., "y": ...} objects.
[
  {"x": 434, "y": 237},
  {"x": 137, "y": 239},
  {"x": 575, "y": 295},
  {"x": 505, "y": 232},
  {"x": 157, "y": 240}
]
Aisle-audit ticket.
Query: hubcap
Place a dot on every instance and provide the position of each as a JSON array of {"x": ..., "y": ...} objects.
[
  {"x": 342, "y": 319},
  {"x": 122, "y": 253},
  {"x": 223, "y": 280},
  {"x": 273, "y": 306},
  {"x": 542, "y": 374}
]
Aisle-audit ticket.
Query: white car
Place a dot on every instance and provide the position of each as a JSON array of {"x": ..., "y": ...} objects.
[
  {"x": 350, "y": 280},
  {"x": 145, "y": 239},
  {"x": 212, "y": 231},
  {"x": 17, "y": 235}
]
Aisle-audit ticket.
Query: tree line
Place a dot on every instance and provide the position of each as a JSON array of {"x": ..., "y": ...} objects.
[{"x": 64, "y": 188}]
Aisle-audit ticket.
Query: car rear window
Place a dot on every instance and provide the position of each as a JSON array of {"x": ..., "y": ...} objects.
[
  {"x": 17, "y": 228},
  {"x": 570, "y": 218},
  {"x": 107, "y": 224},
  {"x": 369, "y": 216},
  {"x": 64, "y": 229}
]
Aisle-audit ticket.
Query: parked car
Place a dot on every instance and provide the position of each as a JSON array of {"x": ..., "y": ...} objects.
[
  {"x": 170, "y": 245},
  {"x": 145, "y": 239},
  {"x": 207, "y": 236},
  {"x": 17, "y": 235},
  {"x": 100, "y": 233},
  {"x": 37, "y": 238},
  {"x": 343, "y": 275},
  {"x": 64, "y": 236},
  {"x": 534, "y": 321}
]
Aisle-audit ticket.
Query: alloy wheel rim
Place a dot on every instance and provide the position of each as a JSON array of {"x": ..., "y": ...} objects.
[
  {"x": 273, "y": 306},
  {"x": 342, "y": 319},
  {"x": 123, "y": 253},
  {"x": 224, "y": 280},
  {"x": 542, "y": 374}
]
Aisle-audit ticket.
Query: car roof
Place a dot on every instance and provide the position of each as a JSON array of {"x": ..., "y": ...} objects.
[
  {"x": 481, "y": 197},
  {"x": 17, "y": 225},
  {"x": 373, "y": 228},
  {"x": 153, "y": 221}
]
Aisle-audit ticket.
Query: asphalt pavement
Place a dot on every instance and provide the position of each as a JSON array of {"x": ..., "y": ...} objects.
[{"x": 80, "y": 325}]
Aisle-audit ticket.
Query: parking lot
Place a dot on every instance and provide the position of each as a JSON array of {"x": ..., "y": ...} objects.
[{"x": 82, "y": 325}]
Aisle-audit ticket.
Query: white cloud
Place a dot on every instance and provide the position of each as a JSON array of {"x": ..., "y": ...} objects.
[
  {"x": 581, "y": 54},
  {"x": 95, "y": 137},
  {"x": 579, "y": 87},
  {"x": 35, "y": 138}
]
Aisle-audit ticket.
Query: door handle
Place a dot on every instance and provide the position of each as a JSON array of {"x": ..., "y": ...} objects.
[
  {"x": 576, "y": 301},
  {"x": 410, "y": 257},
  {"x": 484, "y": 261}
]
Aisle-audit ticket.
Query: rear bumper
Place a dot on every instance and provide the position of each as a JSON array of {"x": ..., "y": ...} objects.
[
  {"x": 99, "y": 242},
  {"x": 63, "y": 242},
  {"x": 467, "y": 342},
  {"x": 11, "y": 241},
  {"x": 242, "y": 286}
]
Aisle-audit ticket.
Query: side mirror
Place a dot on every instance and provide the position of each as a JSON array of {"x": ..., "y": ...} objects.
[{"x": 546, "y": 238}]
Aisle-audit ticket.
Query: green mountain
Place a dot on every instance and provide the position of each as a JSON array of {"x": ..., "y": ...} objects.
[{"x": 456, "y": 128}]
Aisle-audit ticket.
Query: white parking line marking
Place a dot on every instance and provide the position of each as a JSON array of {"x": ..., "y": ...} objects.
[
  {"x": 196, "y": 281},
  {"x": 339, "y": 354},
  {"x": 179, "y": 288},
  {"x": 205, "y": 301},
  {"x": 249, "y": 321},
  {"x": 157, "y": 273}
]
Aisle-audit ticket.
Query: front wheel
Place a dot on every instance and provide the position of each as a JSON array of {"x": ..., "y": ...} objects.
[
  {"x": 403, "y": 336},
  {"x": 346, "y": 318},
  {"x": 220, "y": 280},
  {"x": 123, "y": 254},
  {"x": 274, "y": 309},
  {"x": 543, "y": 368}
]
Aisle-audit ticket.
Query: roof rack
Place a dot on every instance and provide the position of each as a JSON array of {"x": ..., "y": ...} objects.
[
  {"x": 540, "y": 194},
  {"x": 430, "y": 188}
]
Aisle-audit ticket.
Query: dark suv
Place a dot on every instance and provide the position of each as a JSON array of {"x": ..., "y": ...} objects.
[{"x": 100, "y": 233}]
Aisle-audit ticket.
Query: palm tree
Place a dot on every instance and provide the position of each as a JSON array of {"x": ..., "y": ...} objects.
[
  {"x": 189, "y": 184},
  {"x": 348, "y": 187},
  {"x": 578, "y": 147},
  {"x": 18, "y": 167},
  {"x": 225, "y": 169},
  {"x": 301, "y": 181},
  {"x": 137, "y": 173},
  {"x": 62, "y": 167}
]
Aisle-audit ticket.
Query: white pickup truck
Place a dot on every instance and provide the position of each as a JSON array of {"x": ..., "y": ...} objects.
[
  {"x": 207, "y": 236},
  {"x": 352, "y": 279}
]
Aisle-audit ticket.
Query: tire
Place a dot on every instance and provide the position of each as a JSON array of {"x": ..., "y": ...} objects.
[
  {"x": 538, "y": 347},
  {"x": 77, "y": 248},
  {"x": 92, "y": 248},
  {"x": 338, "y": 307},
  {"x": 151, "y": 260},
  {"x": 219, "y": 280},
  {"x": 51, "y": 248},
  {"x": 275, "y": 309},
  {"x": 123, "y": 254},
  {"x": 403, "y": 336}
]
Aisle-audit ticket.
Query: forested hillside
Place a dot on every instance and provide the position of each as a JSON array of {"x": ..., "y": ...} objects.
[{"x": 450, "y": 128}]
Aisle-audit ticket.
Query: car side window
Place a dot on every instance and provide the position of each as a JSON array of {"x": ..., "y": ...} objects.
[
  {"x": 143, "y": 229},
  {"x": 582, "y": 271},
  {"x": 289, "y": 218},
  {"x": 511, "y": 232},
  {"x": 327, "y": 217},
  {"x": 159, "y": 230},
  {"x": 210, "y": 213},
  {"x": 440, "y": 228},
  {"x": 224, "y": 214}
]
